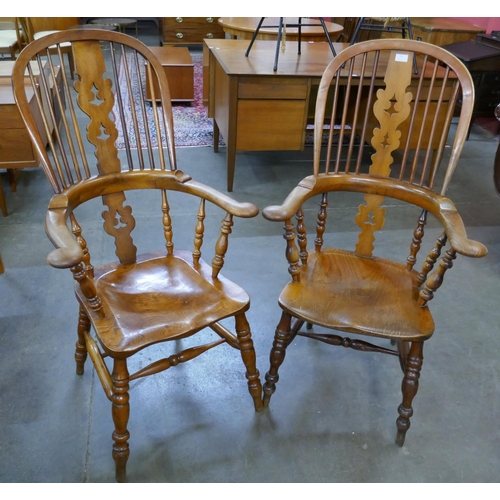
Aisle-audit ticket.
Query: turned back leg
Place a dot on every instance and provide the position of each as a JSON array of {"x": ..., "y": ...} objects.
[
  {"x": 277, "y": 356},
  {"x": 409, "y": 388}
]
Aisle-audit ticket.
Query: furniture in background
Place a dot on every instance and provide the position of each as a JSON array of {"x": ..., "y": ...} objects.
[
  {"x": 29, "y": 27},
  {"x": 443, "y": 30},
  {"x": 120, "y": 23},
  {"x": 392, "y": 25},
  {"x": 10, "y": 37},
  {"x": 281, "y": 26},
  {"x": 496, "y": 165},
  {"x": 255, "y": 108},
  {"x": 2, "y": 268},
  {"x": 140, "y": 301},
  {"x": 16, "y": 150},
  {"x": 179, "y": 69},
  {"x": 483, "y": 62},
  {"x": 370, "y": 291},
  {"x": 189, "y": 30}
]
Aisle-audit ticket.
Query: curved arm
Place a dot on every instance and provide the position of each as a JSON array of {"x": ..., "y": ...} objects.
[
  {"x": 174, "y": 180},
  {"x": 68, "y": 252},
  {"x": 439, "y": 206}
]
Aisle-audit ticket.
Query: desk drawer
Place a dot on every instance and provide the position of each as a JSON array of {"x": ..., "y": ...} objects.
[{"x": 278, "y": 90}]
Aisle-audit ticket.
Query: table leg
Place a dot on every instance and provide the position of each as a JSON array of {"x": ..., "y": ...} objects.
[
  {"x": 216, "y": 137},
  {"x": 230, "y": 163},
  {"x": 3, "y": 205}
]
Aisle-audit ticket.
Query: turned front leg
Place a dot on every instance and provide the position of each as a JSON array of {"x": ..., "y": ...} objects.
[
  {"x": 248, "y": 355},
  {"x": 120, "y": 412},
  {"x": 277, "y": 356},
  {"x": 409, "y": 388}
]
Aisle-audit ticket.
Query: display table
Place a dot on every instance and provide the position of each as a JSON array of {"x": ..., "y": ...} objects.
[{"x": 244, "y": 27}]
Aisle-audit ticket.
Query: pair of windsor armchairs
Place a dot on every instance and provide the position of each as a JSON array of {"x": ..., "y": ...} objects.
[{"x": 369, "y": 93}]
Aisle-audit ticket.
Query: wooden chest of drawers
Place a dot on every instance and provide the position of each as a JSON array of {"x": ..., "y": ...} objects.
[{"x": 189, "y": 30}]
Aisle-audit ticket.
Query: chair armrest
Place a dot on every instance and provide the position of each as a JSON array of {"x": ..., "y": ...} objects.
[
  {"x": 439, "y": 206},
  {"x": 68, "y": 252}
]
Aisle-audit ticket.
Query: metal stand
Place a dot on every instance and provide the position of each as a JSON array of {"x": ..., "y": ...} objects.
[{"x": 298, "y": 25}]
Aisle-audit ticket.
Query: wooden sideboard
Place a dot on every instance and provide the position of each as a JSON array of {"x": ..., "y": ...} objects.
[
  {"x": 16, "y": 148},
  {"x": 189, "y": 30}
]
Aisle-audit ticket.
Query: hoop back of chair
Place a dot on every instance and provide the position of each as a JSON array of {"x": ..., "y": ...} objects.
[
  {"x": 110, "y": 91},
  {"x": 370, "y": 94}
]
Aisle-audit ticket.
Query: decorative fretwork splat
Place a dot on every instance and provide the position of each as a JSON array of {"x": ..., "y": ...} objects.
[
  {"x": 119, "y": 222},
  {"x": 96, "y": 100},
  {"x": 391, "y": 108}
]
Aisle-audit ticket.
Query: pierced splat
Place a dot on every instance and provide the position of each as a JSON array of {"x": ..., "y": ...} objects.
[
  {"x": 96, "y": 100},
  {"x": 391, "y": 109},
  {"x": 119, "y": 222}
]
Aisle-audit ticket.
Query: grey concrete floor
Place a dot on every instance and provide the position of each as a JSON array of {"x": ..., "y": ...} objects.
[{"x": 332, "y": 418}]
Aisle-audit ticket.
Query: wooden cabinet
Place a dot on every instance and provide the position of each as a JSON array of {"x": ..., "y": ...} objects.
[
  {"x": 482, "y": 58},
  {"x": 443, "y": 30},
  {"x": 189, "y": 30}
]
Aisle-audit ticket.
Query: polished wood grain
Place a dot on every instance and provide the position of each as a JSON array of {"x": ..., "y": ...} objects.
[
  {"x": 142, "y": 299},
  {"x": 443, "y": 30},
  {"x": 244, "y": 27},
  {"x": 358, "y": 291}
]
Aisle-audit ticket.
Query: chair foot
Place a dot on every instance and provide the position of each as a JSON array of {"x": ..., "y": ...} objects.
[
  {"x": 400, "y": 438},
  {"x": 277, "y": 356},
  {"x": 409, "y": 388},
  {"x": 249, "y": 359},
  {"x": 120, "y": 413}
]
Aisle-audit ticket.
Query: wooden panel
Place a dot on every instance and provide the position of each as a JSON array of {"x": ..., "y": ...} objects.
[
  {"x": 282, "y": 90},
  {"x": 53, "y": 23},
  {"x": 190, "y": 29},
  {"x": 270, "y": 125}
]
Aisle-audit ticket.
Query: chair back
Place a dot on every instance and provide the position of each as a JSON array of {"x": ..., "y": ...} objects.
[
  {"x": 105, "y": 106},
  {"x": 371, "y": 94}
]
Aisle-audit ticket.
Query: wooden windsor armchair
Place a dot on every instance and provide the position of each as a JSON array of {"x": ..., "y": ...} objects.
[
  {"x": 142, "y": 299},
  {"x": 370, "y": 93}
]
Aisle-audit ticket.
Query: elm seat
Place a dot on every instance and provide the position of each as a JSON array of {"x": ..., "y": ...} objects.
[
  {"x": 399, "y": 96},
  {"x": 156, "y": 296}
]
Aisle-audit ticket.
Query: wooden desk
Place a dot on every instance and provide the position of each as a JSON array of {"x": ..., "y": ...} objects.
[
  {"x": 254, "y": 107},
  {"x": 258, "y": 109},
  {"x": 245, "y": 27}
]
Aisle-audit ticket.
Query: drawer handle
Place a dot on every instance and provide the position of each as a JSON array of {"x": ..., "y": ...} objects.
[
  {"x": 210, "y": 35},
  {"x": 179, "y": 19},
  {"x": 179, "y": 35},
  {"x": 210, "y": 19},
  {"x": 497, "y": 112}
]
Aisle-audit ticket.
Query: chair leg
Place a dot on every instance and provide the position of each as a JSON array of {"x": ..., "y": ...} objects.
[
  {"x": 277, "y": 356},
  {"x": 120, "y": 412},
  {"x": 81, "y": 347},
  {"x": 409, "y": 388},
  {"x": 248, "y": 355}
]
